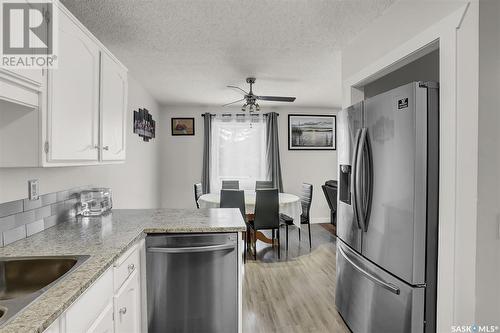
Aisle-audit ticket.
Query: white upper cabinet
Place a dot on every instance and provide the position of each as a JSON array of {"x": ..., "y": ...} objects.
[
  {"x": 73, "y": 96},
  {"x": 71, "y": 115},
  {"x": 113, "y": 109}
]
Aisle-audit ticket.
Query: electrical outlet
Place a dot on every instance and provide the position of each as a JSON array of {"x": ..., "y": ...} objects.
[{"x": 33, "y": 189}]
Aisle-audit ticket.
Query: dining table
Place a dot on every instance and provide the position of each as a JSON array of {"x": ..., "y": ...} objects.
[{"x": 289, "y": 204}]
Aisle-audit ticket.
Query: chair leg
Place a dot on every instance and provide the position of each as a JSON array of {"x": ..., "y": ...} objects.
[
  {"x": 246, "y": 247},
  {"x": 255, "y": 244},
  {"x": 279, "y": 246},
  {"x": 299, "y": 233},
  {"x": 309, "y": 227},
  {"x": 286, "y": 237}
]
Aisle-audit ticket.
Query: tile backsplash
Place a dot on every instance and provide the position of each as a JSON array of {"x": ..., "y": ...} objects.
[{"x": 22, "y": 218}]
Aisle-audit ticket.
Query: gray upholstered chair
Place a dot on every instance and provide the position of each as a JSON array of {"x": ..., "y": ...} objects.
[
  {"x": 230, "y": 185},
  {"x": 305, "y": 200},
  {"x": 263, "y": 184},
  {"x": 198, "y": 192},
  {"x": 233, "y": 199},
  {"x": 266, "y": 215}
]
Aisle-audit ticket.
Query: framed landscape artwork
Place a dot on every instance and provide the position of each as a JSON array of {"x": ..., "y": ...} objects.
[
  {"x": 182, "y": 126},
  {"x": 312, "y": 132}
]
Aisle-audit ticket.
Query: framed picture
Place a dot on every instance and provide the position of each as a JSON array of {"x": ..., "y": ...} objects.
[
  {"x": 144, "y": 125},
  {"x": 312, "y": 132},
  {"x": 182, "y": 126}
]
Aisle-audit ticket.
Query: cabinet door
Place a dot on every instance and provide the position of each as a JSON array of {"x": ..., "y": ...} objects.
[
  {"x": 127, "y": 306},
  {"x": 113, "y": 109},
  {"x": 103, "y": 324},
  {"x": 73, "y": 94}
]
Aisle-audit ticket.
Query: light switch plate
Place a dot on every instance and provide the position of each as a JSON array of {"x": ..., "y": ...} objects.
[{"x": 33, "y": 192}]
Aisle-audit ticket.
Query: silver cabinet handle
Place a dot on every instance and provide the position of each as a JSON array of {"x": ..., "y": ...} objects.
[
  {"x": 389, "y": 286},
  {"x": 131, "y": 268},
  {"x": 123, "y": 311},
  {"x": 209, "y": 248},
  {"x": 96, "y": 147},
  {"x": 105, "y": 148}
]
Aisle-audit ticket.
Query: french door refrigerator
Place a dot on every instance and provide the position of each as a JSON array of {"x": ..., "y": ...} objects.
[{"x": 388, "y": 155}]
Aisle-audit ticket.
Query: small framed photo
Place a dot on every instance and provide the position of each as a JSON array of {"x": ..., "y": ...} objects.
[
  {"x": 182, "y": 126},
  {"x": 312, "y": 132}
]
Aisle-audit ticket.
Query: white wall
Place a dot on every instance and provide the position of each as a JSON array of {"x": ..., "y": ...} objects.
[
  {"x": 400, "y": 22},
  {"x": 488, "y": 228},
  {"x": 181, "y": 160},
  {"x": 135, "y": 183}
]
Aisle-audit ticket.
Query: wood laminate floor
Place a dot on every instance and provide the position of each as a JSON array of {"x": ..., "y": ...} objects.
[{"x": 296, "y": 293}]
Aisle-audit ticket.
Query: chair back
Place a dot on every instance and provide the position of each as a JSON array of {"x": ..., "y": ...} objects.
[
  {"x": 233, "y": 199},
  {"x": 263, "y": 184},
  {"x": 306, "y": 198},
  {"x": 230, "y": 185},
  {"x": 331, "y": 196},
  {"x": 267, "y": 209},
  {"x": 198, "y": 192}
]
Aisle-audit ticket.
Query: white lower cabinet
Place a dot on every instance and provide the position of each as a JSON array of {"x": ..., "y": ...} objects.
[
  {"x": 104, "y": 323},
  {"x": 109, "y": 304},
  {"x": 128, "y": 306}
]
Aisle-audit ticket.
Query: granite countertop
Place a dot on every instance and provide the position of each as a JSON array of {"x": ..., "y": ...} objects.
[{"x": 104, "y": 239}]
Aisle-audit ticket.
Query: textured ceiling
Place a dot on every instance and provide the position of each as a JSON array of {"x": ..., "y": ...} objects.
[{"x": 186, "y": 52}]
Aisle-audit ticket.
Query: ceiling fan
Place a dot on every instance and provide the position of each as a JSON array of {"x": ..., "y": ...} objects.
[{"x": 251, "y": 99}]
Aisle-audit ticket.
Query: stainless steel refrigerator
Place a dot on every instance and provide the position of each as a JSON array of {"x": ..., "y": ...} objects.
[{"x": 388, "y": 155}]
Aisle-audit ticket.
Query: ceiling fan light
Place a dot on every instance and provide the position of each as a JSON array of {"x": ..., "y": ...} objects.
[{"x": 244, "y": 107}]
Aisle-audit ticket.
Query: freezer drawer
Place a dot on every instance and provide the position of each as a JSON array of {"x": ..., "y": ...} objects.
[{"x": 372, "y": 301}]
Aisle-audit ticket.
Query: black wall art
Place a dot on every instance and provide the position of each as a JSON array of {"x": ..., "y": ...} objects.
[{"x": 144, "y": 125}]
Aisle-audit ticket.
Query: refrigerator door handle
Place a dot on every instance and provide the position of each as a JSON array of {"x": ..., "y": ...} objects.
[
  {"x": 367, "y": 179},
  {"x": 388, "y": 286},
  {"x": 354, "y": 178},
  {"x": 360, "y": 188}
]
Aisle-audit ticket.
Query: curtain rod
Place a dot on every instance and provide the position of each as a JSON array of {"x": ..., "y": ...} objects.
[{"x": 237, "y": 114}]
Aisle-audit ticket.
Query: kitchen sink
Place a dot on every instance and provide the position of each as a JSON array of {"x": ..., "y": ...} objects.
[{"x": 24, "y": 279}]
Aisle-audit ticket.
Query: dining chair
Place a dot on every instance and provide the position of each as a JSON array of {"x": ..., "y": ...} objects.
[
  {"x": 266, "y": 215},
  {"x": 235, "y": 199},
  {"x": 305, "y": 201},
  {"x": 230, "y": 184},
  {"x": 263, "y": 184},
  {"x": 198, "y": 192}
]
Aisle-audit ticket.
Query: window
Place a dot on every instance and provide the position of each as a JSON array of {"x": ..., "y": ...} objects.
[{"x": 238, "y": 150}]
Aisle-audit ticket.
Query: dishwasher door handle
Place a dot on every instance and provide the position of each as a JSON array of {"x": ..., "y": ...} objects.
[{"x": 208, "y": 248}]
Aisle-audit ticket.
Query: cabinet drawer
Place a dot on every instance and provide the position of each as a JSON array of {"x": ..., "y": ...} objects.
[
  {"x": 87, "y": 308},
  {"x": 127, "y": 264}
]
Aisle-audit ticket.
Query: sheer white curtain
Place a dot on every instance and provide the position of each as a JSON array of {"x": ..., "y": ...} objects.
[{"x": 238, "y": 150}]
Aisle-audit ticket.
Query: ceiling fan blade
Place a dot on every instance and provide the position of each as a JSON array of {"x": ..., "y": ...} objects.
[
  {"x": 276, "y": 98},
  {"x": 240, "y": 100},
  {"x": 235, "y": 87}
]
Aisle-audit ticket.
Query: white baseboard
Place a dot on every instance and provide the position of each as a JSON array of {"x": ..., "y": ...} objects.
[{"x": 315, "y": 220}]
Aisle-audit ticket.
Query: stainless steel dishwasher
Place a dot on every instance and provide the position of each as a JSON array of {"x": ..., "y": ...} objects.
[{"x": 192, "y": 283}]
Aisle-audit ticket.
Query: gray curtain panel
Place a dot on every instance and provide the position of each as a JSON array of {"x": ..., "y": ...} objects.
[
  {"x": 273, "y": 151},
  {"x": 207, "y": 147}
]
